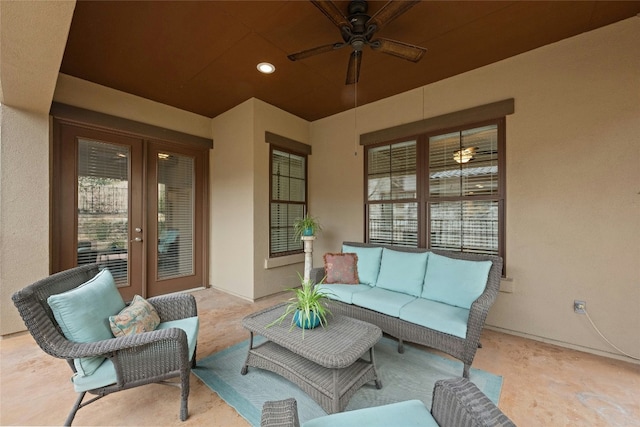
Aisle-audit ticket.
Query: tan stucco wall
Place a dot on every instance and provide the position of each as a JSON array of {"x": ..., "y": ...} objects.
[
  {"x": 24, "y": 206},
  {"x": 239, "y": 241},
  {"x": 29, "y": 64},
  {"x": 272, "y": 119},
  {"x": 81, "y": 93},
  {"x": 573, "y": 181},
  {"x": 231, "y": 196}
]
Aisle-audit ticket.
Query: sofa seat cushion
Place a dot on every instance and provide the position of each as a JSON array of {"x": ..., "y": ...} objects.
[
  {"x": 455, "y": 281},
  {"x": 402, "y": 271},
  {"x": 407, "y": 413},
  {"x": 435, "y": 315},
  {"x": 106, "y": 372},
  {"x": 368, "y": 262},
  {"x": 342, "y": 292},
  {"x": 382, "y": 301},
  {"x": 83, "y": 314}
]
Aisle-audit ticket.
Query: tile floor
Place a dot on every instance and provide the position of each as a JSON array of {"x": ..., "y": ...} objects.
[{"x": 544, "y": 385}]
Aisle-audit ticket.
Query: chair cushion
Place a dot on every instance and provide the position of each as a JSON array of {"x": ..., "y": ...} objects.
[
  {"x": 139, "y": 316},
  {"x": 408, "y": 413},
  {"x": 83, "y": 314},
  {"x": 402, "y": 271},
  {"x": 382, "y": 300},
  {"x": 106, "y": 373},
  {"x": 341, "y": 268},
  {"x": 368, "y": 262},
  {"x": 455, "y": 281},
  {"x": 343, "y": 292},
  {"x": 438, "y": 316}
]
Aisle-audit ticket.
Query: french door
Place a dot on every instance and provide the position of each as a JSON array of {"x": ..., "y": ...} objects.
[{"x": 134, "y": 206}]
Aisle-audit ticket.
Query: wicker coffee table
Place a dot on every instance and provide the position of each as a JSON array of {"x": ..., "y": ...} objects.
[{"x": 327, "y": 364}]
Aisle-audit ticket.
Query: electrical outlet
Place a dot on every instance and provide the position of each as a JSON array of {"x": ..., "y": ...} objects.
[{"x": 579, "y": 307}]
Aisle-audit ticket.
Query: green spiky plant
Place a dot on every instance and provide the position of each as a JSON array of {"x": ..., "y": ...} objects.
[
  {"x": 308, "y": 299},
  {"x": 300, "y": 225}
]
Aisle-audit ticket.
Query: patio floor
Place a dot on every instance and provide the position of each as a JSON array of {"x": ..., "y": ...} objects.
[{"x": 544, "y": 385}]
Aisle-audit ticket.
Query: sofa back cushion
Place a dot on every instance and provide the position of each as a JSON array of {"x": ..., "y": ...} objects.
[
  {"x": 402, "y": 271},
  {"x": 368, "y": 262},
  {"x": 455, "y": 281}
]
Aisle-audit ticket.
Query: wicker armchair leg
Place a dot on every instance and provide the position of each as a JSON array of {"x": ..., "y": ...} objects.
[
  {"x": 75, "y": 408},
  {"x": 184, "y": 394}
]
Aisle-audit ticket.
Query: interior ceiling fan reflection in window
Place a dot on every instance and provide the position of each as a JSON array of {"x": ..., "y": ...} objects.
[{"x": 357, "y": 30}]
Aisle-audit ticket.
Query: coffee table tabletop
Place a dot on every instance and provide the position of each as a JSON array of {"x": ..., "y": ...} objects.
[{"x": 337, "y": 345}]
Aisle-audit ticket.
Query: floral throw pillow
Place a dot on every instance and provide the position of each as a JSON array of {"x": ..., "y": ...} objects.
[
  {"x": 139, "y": 316},
  {"x": 341, "y": 268}
]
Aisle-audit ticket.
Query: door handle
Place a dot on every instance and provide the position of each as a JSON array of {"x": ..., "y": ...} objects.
[{"x": 137, "y": 239}]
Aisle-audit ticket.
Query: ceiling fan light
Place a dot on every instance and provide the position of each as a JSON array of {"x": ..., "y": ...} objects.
[
  {"x": 266, "y": 68},
  {"x": 464, "y": 155}
]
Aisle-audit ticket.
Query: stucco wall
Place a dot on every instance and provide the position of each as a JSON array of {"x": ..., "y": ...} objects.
[
  {"x": 269, "y": 118},
  {"x": 573, "y": 181},
  {"x": 231, "y": 202},
  {"x": 24, "y": 206}
]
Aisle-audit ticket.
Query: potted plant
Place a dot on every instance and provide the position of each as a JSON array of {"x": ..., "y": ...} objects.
[
  {"x": 306, "y": 226},
  {"x": 309, "y": 306}
]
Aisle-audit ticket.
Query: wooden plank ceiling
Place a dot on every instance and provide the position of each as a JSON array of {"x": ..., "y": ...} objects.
[{"x": 202, "y": 56}]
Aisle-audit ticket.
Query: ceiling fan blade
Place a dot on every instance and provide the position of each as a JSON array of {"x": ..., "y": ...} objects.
[
  {"x": 401, "y": 50},
  {"x": 315, "y": 51},
  {"x": 353, "y": 69},
  {"x": 389, "y": 12},
  {"x": 332, "y": 12}
]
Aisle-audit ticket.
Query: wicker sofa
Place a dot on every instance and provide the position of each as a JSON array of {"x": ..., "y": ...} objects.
[
  {"x": 456, "y": 402},
  {"x": 439, "y": 299}
]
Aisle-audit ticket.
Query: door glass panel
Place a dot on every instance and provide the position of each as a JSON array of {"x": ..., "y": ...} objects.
[
  {"x": 175, "y": 215},
  {"x": 103, "y": 207}
]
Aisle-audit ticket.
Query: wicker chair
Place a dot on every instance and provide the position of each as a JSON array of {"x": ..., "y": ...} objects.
[
  {"x": 138, "y": 359},
  {"x": 456, "y": 402}
]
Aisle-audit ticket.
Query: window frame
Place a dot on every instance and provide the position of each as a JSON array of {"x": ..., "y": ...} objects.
[
  {"x": 423, "y": 196},
  {"x": 304, "y": 155}
]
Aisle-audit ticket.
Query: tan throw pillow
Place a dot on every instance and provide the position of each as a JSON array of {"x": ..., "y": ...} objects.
[
  {"x": 341, "y": 268},
  {"x": 139, "y": 316}
]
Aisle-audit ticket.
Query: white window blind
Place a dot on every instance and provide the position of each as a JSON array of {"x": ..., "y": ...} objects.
[
  {"x": 288, "y": 200},
  {"x": 175, "y": 215},
  {"x": 103, "y": 206},
  {"x": 391, "y": 177}
]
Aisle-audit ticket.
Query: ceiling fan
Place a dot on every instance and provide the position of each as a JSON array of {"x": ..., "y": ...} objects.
[{"x": 357, "y": 30}]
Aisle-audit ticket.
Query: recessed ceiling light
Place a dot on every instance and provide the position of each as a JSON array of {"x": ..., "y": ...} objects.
[{"x": 266, "y": 68}]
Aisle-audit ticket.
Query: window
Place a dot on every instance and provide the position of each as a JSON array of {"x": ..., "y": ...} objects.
[
  {"x": 288, "y": 200},
  {"x": 440, "y": 190}
]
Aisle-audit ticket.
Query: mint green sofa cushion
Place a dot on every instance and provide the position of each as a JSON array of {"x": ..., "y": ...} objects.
[
  {"x": 402, "y": 271},
  {"x": 409, "y": 413},
  {"x": 435, "y": 315},
  {"x": 106, "y": 372},
  {"x": 455, "y": 281},
  {"x": 343, "y": 292},
  {"x": 83, "y": 314},
  {"x": 382, "y": 300},
  {"x": 368, "y": 262}
]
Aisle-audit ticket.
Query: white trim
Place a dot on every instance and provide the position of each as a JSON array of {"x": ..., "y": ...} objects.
[{"x": 281, "y": 261}]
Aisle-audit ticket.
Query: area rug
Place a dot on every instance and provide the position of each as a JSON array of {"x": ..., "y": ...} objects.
[{"x": 404, "y": 376}]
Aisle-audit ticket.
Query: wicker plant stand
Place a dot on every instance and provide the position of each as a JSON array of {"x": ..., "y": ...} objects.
[{"x": 327, "y": 364}]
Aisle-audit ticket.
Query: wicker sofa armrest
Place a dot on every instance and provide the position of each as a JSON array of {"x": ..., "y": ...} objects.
[
  {"x": 174, "y": 306},
  {"x": 458, "y": 402},
  {"x": 317, "y": 274},
  {"x": 280, "y": 413}
]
